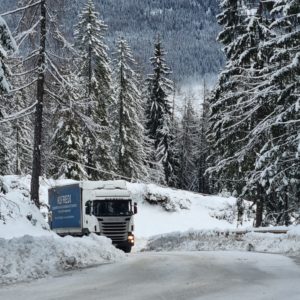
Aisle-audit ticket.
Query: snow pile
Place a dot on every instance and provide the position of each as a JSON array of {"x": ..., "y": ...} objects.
[
  {"x": 207, "y": 240},
  {"x": 182, "y": 211},
  {"x": 28, "y": 249},
  {"x": 18, "y": 215},
  {"x": 27, "y": 258},
  {"x": 294, "y": 230},
  {"x": 169, "y": 199}
]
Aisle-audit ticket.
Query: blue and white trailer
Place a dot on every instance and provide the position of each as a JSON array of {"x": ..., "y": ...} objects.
[{"x": 101, "y": 207}]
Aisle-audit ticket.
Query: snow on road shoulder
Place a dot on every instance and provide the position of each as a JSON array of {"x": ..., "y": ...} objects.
[
  {"x": 29, "y": 250},
  {"x": 28, "y": 257},
  {"x": 210, "y": 240}
]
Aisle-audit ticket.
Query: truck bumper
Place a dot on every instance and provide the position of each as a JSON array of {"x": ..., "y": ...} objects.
[{"x": 125, "y": 245}]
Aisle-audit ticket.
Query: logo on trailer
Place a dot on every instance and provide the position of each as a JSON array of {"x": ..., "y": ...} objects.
[{"x": 64, "y": 199}]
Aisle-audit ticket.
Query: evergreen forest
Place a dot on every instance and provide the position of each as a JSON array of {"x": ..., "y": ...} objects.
[{"x": 88, "y": 91}]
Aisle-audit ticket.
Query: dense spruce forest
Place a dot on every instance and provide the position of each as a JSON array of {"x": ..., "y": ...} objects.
[
  {"x": 188, "y": 29},
  {"x": 94, "y": 100}
]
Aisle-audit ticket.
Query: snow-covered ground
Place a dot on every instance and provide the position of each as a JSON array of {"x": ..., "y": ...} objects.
[
  {"x": 29, "y": 257},
  {"x": 30, "y": 250},
  {"x": 208, "y": 240},
  {"x": 186, "y": 211}
]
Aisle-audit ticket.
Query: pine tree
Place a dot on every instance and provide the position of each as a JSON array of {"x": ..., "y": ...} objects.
[
  {"x": 129, "y": 131},
  {"x": 4, "y": 154},
  {"x": 188, "y": 139},
  {"x": 235, "y": 108},
  {"x": 7, "y": 44},
  {"x": 204, "y": 185},
  {"x": 272, "y": 176},
  {"x": 225, "y": 98},
  {"x": 67, "y": 140},
  {"x": 230, "y": 102},
  {"x": 277, "y": 165},
  {"x": 159, "y": 113},
  {"x": 20, "y": 130},
  {"x": 21, "y": 138},
  {"x": 68, "y": 145},
  {"x": 43, "y": 47},
  {"x": 254, "y": 125},
  {"x": 95, "y": 72},
  {"x": 252, "y": 107}
]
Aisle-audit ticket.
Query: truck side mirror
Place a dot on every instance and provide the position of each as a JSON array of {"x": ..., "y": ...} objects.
[
  {"x": 88, "y": 208},
  {"x": 135, "y": 210}
]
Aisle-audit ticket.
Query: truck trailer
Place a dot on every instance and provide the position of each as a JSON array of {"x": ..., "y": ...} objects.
[{"x": 100, "y": 207}]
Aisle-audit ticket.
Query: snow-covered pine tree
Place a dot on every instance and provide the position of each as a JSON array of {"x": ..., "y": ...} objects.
[
  {"x": 223, "y": 141},
  {"x": 21, "y": 138},
  {"x": 96, "y": 74},
  {"x": 264, "y": 118},
  {"x": 129, "y": 131},
  {"x": 252, "y": 107},
  {"x": 4, "y": 146},
  {"x": 237, "y": 104},
  {"x": 20, "y": 129},
  {"x": 67, "y": 143},
  {"x": 7, "y": 44},
  {"x": 188, "y": 142},
  {"x": 158, "y": 114},
  {"x": 277, "y": 166},
  {"x": 202, "y": 147},
  {"x": 42, "y": 75}
]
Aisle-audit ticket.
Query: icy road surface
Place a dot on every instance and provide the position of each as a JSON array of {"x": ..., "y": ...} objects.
[{"x": 171, "y": 276}]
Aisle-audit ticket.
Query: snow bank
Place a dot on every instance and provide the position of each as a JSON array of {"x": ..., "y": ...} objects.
[
  {"x": 28, "y": 249},
  {"x": 183, "y": 211},
  {"x": 208, "y": 240},
  {"x": 18, "y": 215},
  {"x": 294, "y": 230},
  {"x": 27, "y": 258}
]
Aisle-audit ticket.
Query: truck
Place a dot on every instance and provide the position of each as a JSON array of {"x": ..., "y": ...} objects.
[{"x": 101, "y": 207}]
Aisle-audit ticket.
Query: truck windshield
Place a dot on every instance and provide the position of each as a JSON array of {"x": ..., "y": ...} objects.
[{"x": 112, "y": 208}]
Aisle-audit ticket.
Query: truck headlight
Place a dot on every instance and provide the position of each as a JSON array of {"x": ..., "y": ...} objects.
[{"x": 131, "y": 239}]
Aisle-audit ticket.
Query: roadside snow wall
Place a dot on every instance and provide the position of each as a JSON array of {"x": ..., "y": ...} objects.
[
  {"x": 208, "y": 240},
  {"x": 28, "y": 257},
  {"x": 29, "y": 250}
]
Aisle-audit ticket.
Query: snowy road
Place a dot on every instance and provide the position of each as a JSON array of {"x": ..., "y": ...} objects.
[{"x": 171, "y": 276}]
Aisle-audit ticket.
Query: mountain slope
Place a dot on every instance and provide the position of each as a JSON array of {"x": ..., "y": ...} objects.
[{"x": 188, "y": 29}]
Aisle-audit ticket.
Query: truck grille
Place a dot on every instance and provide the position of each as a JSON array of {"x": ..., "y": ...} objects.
[{"x": 116, "y": 231}]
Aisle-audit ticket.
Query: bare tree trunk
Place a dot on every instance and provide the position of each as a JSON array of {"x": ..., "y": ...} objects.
[
  {"x": 259, "y": 207},
  {"x": 38, "y": 125},
  {"x": 203, "y": 186},
  {"x": 259, "y": 213},
  {"x": 89, "y": 113},
  {"x": 18, "y": 169}
]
